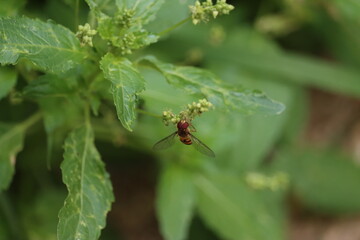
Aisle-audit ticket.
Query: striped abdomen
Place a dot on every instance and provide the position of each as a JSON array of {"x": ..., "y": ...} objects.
[{"x": 186, "y": 140}]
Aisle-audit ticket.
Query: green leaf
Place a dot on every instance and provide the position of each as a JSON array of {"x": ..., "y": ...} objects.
[
  {"x": 298, "y": 116},
  {"x": 124, "y": 37},
  {"x": 38, "y": 218},
  {"x": 7, "y": 81},
  {"x": 11, "y": 8},
  {"x": 50, "y": 46},
  {"x": 144, "y": 9},
  {"x": 126, "y": 83},
  {"x": 10, "y": 223},
  {"x": 175, "y": 202},
  {"x": 49, "y": 86},
  {"x": 301, "y": 70},
  {"x": 60, "y": 104},
  {"x": 90, "y": 192},
  {"x": 123, "y": 25},
  {"x": 324, "y": 180},
  {"x": 255, "y": 139},
  {"x": 254, "y": 54},
  {"x": 256, "y": 135},
  {"x": 60, "y": 115},
  {"x": 94, "y": 102},
  {"x": 199, "y": 81},
  {"x": 347, "y": 9},
  {"x": 102, "y": 6},
  {"x": 234, "y": 211},
  {"x": 11, "y": 142},
  {"x": 170, "y": 13}
]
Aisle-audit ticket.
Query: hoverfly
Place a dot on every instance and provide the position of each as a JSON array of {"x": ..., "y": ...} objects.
[{"x": 183, "y": 131}]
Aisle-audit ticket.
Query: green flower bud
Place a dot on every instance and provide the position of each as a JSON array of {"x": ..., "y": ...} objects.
[
  {"x": 195, "y": 21},
  {"x": 215, "y": 13},
  {"x": 202, "y": 12},
  {"x": 192, "y": 110},
  {"x": 85, "y": 34}
]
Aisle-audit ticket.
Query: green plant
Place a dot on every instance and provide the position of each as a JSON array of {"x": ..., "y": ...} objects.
[
  {"x": 68, "y": 76},
  {"x": 106, "y": 73}
]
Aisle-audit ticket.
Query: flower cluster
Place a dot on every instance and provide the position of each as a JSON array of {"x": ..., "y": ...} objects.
[
  {"x": 125, "y": 31},
  {"x": 85, "y": 34},
  {"x": 125, "y": 18},
  {"x": 202, "y": 12},
  {"x": 169, "y": 117},
  {"x": 135, "y": 40},
  {"x": 195, "y": 109},
  {"x": 127, "y": 43},
  {"x": 192, "y": 110},
  {"x": 259, "y": 181}
]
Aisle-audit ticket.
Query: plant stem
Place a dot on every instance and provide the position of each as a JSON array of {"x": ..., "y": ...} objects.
[
  {"x": 28, "y": 75},
  {"x": 30, "y": 121},
  {"x": 77, "y": 2},
  {"x": 148, "y": 113},
  {"x": 92, "y": 19},
  {"x": 174, "y": 26},
  {"x": 21, "y": 127},
  {"x": 10, "y": 218}
]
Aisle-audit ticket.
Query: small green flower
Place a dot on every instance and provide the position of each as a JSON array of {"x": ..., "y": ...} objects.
[
  {"x": 85, "y": 35},
  {"x": 195, "y": 109},
  {"x": 124, "y": 18},
  {"x": 202, "y": 12},
  {"x": 259, "y": 181},
  {"x": 191, "y": 111},
  {"x": 169, "y": 117},
  {"x": 125, "y": 32}
]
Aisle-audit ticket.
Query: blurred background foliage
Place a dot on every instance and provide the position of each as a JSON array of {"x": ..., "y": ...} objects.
[{"x": 302, "y": 53}]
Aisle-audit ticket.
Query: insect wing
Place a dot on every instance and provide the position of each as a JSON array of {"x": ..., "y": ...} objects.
[
  {"x": 165, "y": 142},
  {"x": 192, "y": 128},
  {"x": 201, "y": 147}
]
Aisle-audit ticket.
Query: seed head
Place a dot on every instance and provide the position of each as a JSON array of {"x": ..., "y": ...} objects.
[
  {"x": 276, "y": 182},
  {"x": 202, "y": 12},
  {"x": 192, "y": 110},
  {"x": 85, "y": 34}
]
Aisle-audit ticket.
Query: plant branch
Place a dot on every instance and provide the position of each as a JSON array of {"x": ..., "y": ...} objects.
[
  {"x": 174, "y": 26},
  {"x": 148, "y": 113},
  {"x": 77, "y": 3},
  {"x": 10, "y": 217},
  {"x": 87, "y": 114},
  {"x": 30, "y": 121}
]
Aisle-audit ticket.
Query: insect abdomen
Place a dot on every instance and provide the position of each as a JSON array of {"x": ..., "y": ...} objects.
[{"x": 186, "y": 141}]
